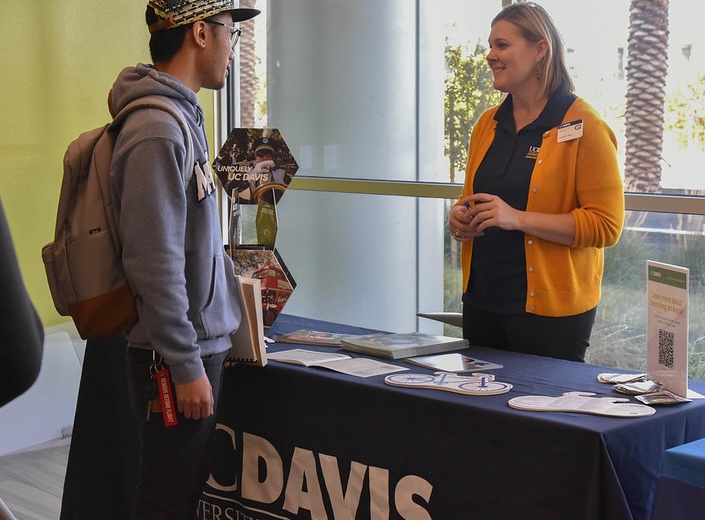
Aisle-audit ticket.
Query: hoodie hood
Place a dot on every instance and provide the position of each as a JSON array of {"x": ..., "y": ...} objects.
[{"x": 144, "y": 80}]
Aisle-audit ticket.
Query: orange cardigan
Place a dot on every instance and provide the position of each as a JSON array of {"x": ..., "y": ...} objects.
[{"x": 580, "y": 177}]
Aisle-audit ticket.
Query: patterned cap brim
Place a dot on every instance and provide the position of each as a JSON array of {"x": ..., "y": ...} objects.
[{"x": 175, "y": 13}]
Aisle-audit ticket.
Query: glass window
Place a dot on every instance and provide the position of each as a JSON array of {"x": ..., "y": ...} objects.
[
  {"x": 341, "y": 86},
  {"x": 389, "y": 91},
  {"x": 619, "y": 335}
]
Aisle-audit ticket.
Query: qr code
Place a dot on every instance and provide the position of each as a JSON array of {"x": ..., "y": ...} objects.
[{"x": 665, "y": 348}]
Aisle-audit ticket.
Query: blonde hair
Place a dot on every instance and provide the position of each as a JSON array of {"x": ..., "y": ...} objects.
[{"x": 536, "y": 25}]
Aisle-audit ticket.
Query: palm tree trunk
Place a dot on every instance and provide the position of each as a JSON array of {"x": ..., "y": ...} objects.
[
  {"x": 647, "y": 67},
  {"x": 248, "y": 77}
]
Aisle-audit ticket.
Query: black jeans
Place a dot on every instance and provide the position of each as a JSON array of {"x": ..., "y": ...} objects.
[
  {"x": 173, "y": 461},
  {"x": 565, "y": 337}
]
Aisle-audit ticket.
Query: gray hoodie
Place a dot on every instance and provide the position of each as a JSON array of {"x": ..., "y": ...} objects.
[{"x": 172, "y": 243}]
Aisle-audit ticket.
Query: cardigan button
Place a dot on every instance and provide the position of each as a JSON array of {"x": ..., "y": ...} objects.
[
  {"x": 532, "y": 294},
  {"x": 540, "y": 161},
  {"x": 531, "y": 241},
  {"x": 534, "y": 190},
  {"x": 531, "y": 269}
]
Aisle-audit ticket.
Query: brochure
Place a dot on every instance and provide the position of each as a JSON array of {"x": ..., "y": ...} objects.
[
  {"x": 313, "y": 337},
  {"x": 248, "y": 344},
  {"x": 403, "y": 345},
  {"x": 667, "y": 326}
]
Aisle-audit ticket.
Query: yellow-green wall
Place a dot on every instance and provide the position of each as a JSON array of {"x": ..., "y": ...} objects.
[{"x": 58, "y": 60}]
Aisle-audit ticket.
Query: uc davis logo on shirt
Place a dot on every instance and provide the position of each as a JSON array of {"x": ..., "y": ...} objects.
[{"x": 532, "y": 152}]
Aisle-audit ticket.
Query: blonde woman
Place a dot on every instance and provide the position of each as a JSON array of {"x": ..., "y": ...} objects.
[{"x": 542, "y": 198}]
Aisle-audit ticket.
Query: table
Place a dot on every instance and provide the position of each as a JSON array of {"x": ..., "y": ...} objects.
[
  {"x": 296, "y": 442},
  {"x": 680, "y": 493}
]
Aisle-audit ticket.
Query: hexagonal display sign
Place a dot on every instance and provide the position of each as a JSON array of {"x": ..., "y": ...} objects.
[
  {"x": 256, "y": 164},
  {"x": 275, "y": 279}
]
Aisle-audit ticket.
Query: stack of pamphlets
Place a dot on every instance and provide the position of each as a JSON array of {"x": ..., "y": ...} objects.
[
  {"x": 402, "y": 345},
  {"x": 313, "y": 337}
]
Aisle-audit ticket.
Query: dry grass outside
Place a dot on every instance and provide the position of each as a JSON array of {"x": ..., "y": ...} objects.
[{"x": 619, "y": 335}]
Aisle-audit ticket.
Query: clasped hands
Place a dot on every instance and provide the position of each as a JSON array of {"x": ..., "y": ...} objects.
[{"x": 478, "y": 212}]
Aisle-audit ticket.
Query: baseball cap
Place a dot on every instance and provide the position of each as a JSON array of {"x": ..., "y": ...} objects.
[{"x": 175, "y": 13}]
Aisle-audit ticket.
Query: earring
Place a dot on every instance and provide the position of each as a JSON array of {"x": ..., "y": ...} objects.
[{"x": 538, "y": 72}]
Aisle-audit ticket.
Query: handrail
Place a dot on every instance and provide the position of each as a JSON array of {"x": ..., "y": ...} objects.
[{"x": 661, "y": 203}]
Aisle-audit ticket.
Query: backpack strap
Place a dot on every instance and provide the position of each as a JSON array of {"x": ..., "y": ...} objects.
[{"x": 167, "y": 105}]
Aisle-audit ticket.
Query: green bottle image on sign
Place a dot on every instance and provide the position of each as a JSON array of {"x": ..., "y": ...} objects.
[{"x": 266, "y": 224}]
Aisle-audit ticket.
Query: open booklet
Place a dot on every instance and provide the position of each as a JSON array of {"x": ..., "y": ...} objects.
[{"x": 360, "y": 367}]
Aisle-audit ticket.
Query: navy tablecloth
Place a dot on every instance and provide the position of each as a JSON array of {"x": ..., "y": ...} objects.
[{"x": 296, "y": 442}]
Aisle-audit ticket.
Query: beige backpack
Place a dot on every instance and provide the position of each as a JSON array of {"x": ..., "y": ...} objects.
[{"x": 83, "y": 264}]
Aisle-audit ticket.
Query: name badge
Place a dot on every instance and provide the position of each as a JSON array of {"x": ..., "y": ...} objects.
[{"x": 569, "y": 131}]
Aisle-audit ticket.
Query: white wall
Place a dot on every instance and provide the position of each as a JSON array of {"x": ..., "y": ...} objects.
[{"x": 45, "y": 412}]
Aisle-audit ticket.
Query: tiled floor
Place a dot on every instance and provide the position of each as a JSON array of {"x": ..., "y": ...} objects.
[{"x": 31, "y": 482}]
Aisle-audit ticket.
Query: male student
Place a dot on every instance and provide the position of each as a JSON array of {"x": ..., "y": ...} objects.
[{"x": 167, "y": 213}]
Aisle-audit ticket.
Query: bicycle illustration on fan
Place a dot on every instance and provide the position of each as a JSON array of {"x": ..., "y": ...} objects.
[{"x": 475, "y": 384}]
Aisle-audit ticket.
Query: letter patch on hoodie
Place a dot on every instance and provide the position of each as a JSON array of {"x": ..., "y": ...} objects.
[{"x": 204, "y": 180}]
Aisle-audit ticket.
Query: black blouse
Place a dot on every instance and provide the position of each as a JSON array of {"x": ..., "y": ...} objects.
[{"x": 498, "y": 269}]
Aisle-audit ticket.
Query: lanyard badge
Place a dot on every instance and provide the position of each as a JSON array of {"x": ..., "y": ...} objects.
[
  {"x": 166, "y": 397},
  {"x": 160, "y": 396}
]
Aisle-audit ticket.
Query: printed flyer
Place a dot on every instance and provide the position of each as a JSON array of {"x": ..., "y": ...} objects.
[{"x": 667, "y": 326}]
